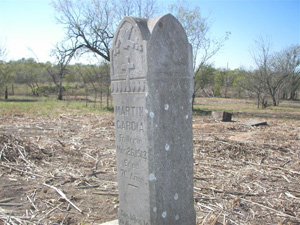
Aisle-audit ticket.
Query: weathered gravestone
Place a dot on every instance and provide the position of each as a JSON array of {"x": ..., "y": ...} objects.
[
  {"x": 152, "y": 86},
  {"x": 222, "y": 116}
]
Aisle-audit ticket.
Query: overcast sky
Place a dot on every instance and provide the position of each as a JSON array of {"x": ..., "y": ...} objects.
[{"x": 28, "y": 26}]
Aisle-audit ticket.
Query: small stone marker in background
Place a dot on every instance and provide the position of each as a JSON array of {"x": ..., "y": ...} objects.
[
  {"x": 222, "y": 116},
  {"x": 152, "y": 86},
  {"x": 255, "y": 123}
]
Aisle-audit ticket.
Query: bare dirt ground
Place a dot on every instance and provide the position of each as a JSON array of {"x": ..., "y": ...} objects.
[{"x": 62, "y": 170}]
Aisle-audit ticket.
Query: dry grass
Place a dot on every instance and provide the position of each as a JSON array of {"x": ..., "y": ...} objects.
[
  {"x": 247, "y": 175},
  {"x": 62, "y": 170}
]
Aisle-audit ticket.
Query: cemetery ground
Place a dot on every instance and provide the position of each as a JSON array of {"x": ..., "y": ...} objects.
[{"x": 57, "y": 163}]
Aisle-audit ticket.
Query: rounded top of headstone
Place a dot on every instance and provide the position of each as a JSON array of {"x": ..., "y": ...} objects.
[
  {"x": 143, "y": 47},
  {"x": 168, "y": 46},
  {"x": 156, "y": 23}
]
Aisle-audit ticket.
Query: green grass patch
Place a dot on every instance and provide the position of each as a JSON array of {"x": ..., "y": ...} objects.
[
  {"x": 286, "y": 109},
  {"x": 202, "y": 112},
  {"x": 46, "y": 106},
  {"x": 49, "y": 106}
]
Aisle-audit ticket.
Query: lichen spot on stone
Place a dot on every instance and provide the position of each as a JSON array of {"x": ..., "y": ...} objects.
[
  {"x": 154, "y": 209},
  {"x": 151, "y": 114},
  {"x": 176, "y": 196},
  {"x": 167, "y": 147},
  {"x": 166, "y": 106},
  {"x": 152, "y": 177},
  {"x": 164, "y": 214},
  {"x": 186, "y": 117},
  {"x": 176, "y": 217}
]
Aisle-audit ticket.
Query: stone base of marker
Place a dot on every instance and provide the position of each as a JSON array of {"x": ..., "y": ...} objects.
[
  {"x": 222, "y": 116},
  {"x": 113, "y": 222}
]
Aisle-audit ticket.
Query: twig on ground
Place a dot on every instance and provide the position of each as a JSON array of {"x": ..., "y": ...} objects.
[
  {"x": 8, "y": 204},
  {"x": 60, "y": 142},
  {"x": 32, "y": 204},
  {"x": 56, "y": 207},
  {"x": 63, "y": 196},
  {"x": 101, "y": 193},
  {"x": 6, "y": 200},
  {"x": 87, "y": 187}
]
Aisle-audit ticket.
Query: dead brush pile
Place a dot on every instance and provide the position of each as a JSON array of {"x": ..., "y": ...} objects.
[
  {"x": 18, "y": 157},
  {"x": 52, "y": 172},
  {"x": 15, "y": 150}
]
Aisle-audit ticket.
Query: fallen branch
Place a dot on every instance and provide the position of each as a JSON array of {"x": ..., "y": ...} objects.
[
  {"x": 63, "y": 196},
  {"x": 87, "y": 187},
  {"x": 101, "y": 193},
  {"x": 6, "y": 200},
  {"x": 11, "y": 204}
]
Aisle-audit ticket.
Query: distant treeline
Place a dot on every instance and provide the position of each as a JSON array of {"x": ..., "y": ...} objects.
[
  {"x": 89, "y": 82},
  {"x": 92, "y": 82}
]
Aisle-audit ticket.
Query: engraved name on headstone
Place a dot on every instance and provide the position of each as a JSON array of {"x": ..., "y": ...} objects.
[{"x": 152, "y": 86}]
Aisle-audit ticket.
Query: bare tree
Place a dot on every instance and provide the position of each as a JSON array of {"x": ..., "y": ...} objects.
[
  {"x": 5, "y": 77},
  {"x": 136, "y": 8},
  {"x": 63, "y": 57},
  {"x": 90, "y": 24},
  {"x": 28, "y": 71},
  {"x": 292, "y": 57},
  {"x": 197, "y": 29},
  {"x": 272, "y": 68},
  {"x": 251, "y": 82}
]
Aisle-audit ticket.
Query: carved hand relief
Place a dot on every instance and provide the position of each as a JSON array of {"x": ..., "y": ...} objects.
[{"x": 128, "y": 52}]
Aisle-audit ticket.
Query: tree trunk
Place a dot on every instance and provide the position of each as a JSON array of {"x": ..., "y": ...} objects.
[
  {"x": 101, "y": 93},
  {"x": 193, "y": 100},
  {"x": 278, "y": 98},
  {"x": 95, "y": 97},
  {"x": 107, "y": 97},
  {"x": 60, "y": 88},
  {"x": 86, "y": 95},
  {"x": 12, "y": 89},
  {"x": 293, "y": 95},
  {"x": 274, "y": 100},
  {"x": 59, "y": 96},
  {"x": 6, "y": 93}
]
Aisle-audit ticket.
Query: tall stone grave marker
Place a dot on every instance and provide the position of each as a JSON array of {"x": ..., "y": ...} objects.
[{"x": 152, "y": 86}]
